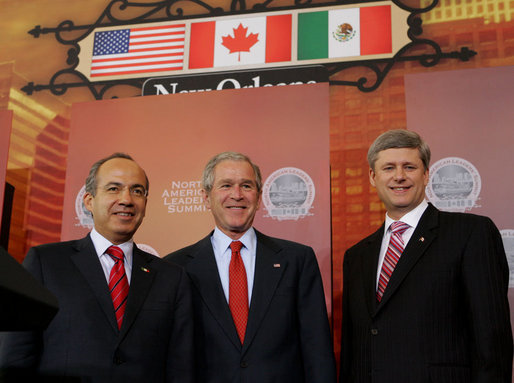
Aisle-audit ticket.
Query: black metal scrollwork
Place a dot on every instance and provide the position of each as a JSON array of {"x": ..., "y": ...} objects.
[
  {"x": 122, "y": 12},
  {"x": 381, "y": 68}
]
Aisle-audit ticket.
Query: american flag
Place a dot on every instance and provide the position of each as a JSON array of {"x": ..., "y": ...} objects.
[{"x": 138, "y": 50}]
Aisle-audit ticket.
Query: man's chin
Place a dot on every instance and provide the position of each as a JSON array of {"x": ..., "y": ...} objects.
[{"x": 125, "y": 233}]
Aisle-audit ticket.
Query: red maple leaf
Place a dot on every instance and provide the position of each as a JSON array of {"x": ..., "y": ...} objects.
[{"x": 241, "y": 42}]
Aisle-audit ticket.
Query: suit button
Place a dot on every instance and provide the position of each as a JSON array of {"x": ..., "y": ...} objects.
[
  {"x": 374, "y": 331},
  {"x": 244, "y": 364},
  {"x": 118, "y": 360}
]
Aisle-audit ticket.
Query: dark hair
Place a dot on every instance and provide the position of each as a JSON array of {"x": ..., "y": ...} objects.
[
  {"x": 399, "y": 138},
  {"x": 208, "y": 172},
  {"x": 91, "y": 184}
]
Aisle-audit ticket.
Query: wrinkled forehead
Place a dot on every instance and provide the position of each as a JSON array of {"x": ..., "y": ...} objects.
[
  {"x": 121, "y": 170},
  {"x": 234, "y": 169}
]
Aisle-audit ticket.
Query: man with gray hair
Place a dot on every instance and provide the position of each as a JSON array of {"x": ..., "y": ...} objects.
[
  {"x": 124, "y": 314},
  {"x": 425, "y": 296},
  {"x": 260, "y": 313}
]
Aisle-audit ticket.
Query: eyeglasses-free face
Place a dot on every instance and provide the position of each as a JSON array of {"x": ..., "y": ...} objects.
[
  {"x": 137, "y": 191},
  {"x": 119, "y": 206},
  {"x": 400, "y": 179},
  {"x": 234, "y": 198}
]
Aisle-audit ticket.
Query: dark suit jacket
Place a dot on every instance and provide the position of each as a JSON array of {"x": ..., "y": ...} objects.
[
  {"x": 288, "y": 335},
  {"x": 444, "y": 316},
  {"x": 155, "y": 340}
]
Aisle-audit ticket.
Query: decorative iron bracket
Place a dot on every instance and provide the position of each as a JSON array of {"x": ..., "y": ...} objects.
[{"x": 123, "y": 12}]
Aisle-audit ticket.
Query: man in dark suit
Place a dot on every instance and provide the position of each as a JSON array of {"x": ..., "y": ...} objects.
[
  {"x": 429, "y": 304},
  {"x": 99, "y": 333},
  {"x": 272, "y": 326}
]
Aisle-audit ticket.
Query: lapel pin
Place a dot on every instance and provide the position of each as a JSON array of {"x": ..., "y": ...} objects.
[
  {"x": 145, "y": 269},
  {"x": 422, "y": 239},
  {"x": 276, "y": 265}
]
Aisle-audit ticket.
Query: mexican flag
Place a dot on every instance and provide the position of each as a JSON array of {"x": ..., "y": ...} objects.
[
  {"x": 240, "y": 41},
  {"x": 344, "y": 32}
]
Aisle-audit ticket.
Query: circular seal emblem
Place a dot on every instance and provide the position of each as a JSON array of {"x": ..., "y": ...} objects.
[
  {"x": 344, "y": 32},
  {"x": 508, "y": 244},
  {"x": 288, "y": 194},
  {"x": 454, "y": 184},
  {"x": 83, "y": 215}
]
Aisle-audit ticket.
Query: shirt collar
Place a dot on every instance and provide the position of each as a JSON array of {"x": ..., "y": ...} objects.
[
  {"x": 249, "y": 239},
  {"x": 411, "y": 218},
  {"x": 102, "y": 244}
]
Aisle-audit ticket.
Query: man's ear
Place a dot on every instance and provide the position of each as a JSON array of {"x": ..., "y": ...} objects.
[
  {"x": 426, "y": 177},
  {"x": 88, "y": 202},
  {"x": 372, "y": 177},
  {"x": 206, "y": 199}
]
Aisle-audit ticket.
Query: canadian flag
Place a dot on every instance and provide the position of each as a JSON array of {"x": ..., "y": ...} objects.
[{"x": 240, "y": 41}]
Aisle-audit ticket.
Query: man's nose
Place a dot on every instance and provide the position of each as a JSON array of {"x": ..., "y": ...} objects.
[
  {"x": 125, "y": 196},
  {"x": 236, "y": 192},
  {"x": 399, "y": 173}
]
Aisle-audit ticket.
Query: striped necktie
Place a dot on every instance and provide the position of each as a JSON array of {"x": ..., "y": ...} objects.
[
  {"x": 393, "y": 254},
  {"x": 118, "y": 283}
]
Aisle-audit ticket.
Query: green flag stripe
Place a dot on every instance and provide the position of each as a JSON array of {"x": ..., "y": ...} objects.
[{"x": 312, "y": 35}]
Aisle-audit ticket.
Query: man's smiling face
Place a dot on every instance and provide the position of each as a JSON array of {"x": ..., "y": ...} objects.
[
  {"x": 118, "y": 211},
  {"x": 400, "y": 179},
  {"x": 234, "y": 198}
]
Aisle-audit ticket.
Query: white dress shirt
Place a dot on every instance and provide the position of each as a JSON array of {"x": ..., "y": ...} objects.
[
  {"x": 411, "y": 218},
  {"x": 102, "y": 244},
  {"x": 222, "y": 252}
]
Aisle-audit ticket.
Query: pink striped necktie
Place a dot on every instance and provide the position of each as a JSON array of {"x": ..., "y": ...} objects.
[
  {"x": 118, "y": 283},
  {"x": 238, "y": 290},
  {"x": 393, "y": 254}
]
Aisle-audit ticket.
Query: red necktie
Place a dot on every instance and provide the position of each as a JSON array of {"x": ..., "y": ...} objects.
[
  {"x": 118, "y": 283},
  {"x": 238, "y": 290},
  {"x": 393, "y": 254}
]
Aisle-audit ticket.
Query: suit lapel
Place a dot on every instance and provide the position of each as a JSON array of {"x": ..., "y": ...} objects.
[
  {"x": 205, "y": 277},
  {"x": 140, "y": 283},
  {"x": 269, "y": 267},
  {"x": 87, "y": 262},
  {"x": 415, "y": 249},
  {"x": 369, "y": 259}
]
